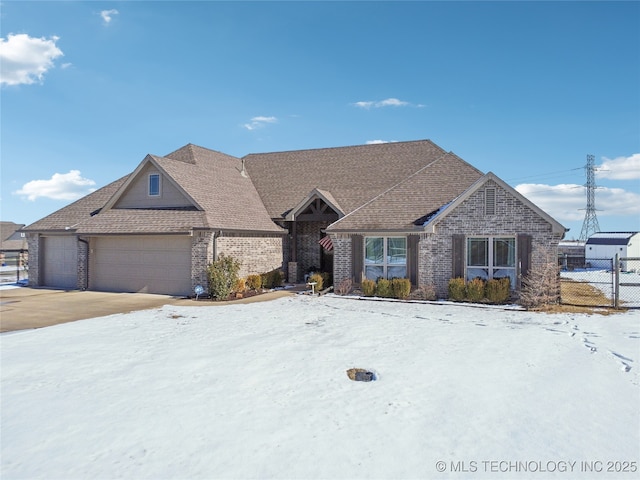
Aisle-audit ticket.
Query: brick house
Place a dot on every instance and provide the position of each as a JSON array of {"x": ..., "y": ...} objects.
[{"x": 406, "y": 209}]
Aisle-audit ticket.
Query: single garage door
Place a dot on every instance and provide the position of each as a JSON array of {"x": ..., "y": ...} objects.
[
  {"x": 60, "y": 262},
  {"x": 146, "y": 264}
]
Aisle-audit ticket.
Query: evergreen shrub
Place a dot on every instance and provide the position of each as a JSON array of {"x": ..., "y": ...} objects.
[{"x": 457, "y": 289}]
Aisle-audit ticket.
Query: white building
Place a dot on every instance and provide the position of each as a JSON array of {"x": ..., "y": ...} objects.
[{"x": 602, "y": 247}]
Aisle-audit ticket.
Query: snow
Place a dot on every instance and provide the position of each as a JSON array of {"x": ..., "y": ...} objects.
[{"x": 261, "y": 391}]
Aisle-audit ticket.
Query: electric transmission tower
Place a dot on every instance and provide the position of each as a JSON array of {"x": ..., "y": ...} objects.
[{"x": 590, "y": 224}]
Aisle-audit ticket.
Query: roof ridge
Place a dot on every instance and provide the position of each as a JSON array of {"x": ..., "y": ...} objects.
[
  {"x": 406, "y": 179},
  {"x": 361, "y": 145}
]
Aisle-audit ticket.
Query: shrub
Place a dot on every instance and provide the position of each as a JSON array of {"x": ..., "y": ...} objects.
[
  {"x": 344, "y": 288},
  {"x": 240, "y": 285},
  {"x": 457, "y": 289},
  {"x": 272, "y": 279},
  {"x": 383, "y": 288},
  {"x": 475, "y": 289},
  {"x": 401, "y": 288},
  {"x": 368, "y": 287},
  {"x": 327, "y": 279},
  {"x": 223, "y": 274},
  {"x": 254, "y": 282},
  {"x": 541, "y": 287},
  {"x": 317, "y": 278},
  {"x": 498, "y": 290},
  {"x": 425, "y": 292}
]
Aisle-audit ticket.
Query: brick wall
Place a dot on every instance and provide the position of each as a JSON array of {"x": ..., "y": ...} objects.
[
  {"x": 201, "y": 257},
  {"x": 512, "y": 217},
  {"x": 341, "y": 258},
  {"x": 309, "y": 250},
  {"x": 257, "y": 254},
  {"x": 33, "y": 242},
  {"x": 83, "y": 265}
]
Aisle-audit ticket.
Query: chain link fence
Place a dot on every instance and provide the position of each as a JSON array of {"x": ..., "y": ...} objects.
[
  {"x": 606, "y": 282},
  {"x": 627, "y": 283},
  {"x": 13, "y": 268},
  {"x": 588, "y": 286}
]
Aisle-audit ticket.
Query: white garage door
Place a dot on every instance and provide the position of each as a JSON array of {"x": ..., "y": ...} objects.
[
  {"x": 146, "y": 264},
  {"x": 60, "y": 262}
]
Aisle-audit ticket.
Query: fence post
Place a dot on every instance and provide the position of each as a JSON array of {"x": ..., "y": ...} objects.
[{"x": 616, "y": 282}]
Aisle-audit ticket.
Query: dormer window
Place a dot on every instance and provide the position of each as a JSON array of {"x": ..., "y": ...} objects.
[{"x": 154, "y": 185}]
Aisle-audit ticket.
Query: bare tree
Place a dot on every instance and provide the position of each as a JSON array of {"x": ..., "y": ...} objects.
[{"x": 542, "y": 285}]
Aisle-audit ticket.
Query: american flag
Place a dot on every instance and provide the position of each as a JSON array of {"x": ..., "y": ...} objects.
[{"x": 326, "y": 243}]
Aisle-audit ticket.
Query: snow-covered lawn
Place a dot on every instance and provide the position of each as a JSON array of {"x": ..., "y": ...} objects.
[{"x": 261, "y": 391}]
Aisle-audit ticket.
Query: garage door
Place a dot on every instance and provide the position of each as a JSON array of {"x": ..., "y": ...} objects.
[
  {"x": 60, "y": 262},
  {"x": 147, "y": 264}
]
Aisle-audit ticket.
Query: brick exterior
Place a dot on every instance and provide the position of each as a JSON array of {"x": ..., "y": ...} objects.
[
  {"x": 512, "y": 217},
  {"x": 83, "y": 265},
  {"x": 309, "y": 250},
  {"x": 33, "y": 242},
  {"x": 257, "y": 254},
  {"x": 201, "y": 257},
  {"x": 342, "y": 267}
]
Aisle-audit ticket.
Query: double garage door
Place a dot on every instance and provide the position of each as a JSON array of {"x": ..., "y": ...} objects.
[{"x": 146, "y": 264}]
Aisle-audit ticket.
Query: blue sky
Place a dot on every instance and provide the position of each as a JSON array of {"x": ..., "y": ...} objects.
[{"x": 523, "y": 89}]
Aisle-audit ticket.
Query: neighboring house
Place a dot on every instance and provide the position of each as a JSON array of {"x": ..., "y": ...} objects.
[
  {"x": 13, "y": 244},
  {"x": 406, "y": 209},
  {"x": 601, "y": 248}
]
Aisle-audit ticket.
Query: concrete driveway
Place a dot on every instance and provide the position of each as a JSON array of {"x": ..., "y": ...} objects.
[{"x": 24, "y": 308}]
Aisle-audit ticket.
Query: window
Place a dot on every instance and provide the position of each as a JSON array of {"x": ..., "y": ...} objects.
[
  {"x": 385, "y": 257},
  {"x": 491, "y": 257},
  {"x": 154, "y": 185}
]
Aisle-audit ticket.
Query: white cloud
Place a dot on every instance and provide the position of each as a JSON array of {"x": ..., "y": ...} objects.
[
  {"x": 389, "y": 102},
  {"x": 107, "y": 15},
  {"x": 61, "y": 186},
  {"x": 378, "y": 142},
  {"x": 620, "y": 168},
  {"x": 259, "y": 122},
  {"x": 566, "y": 202},
  {"x": 25, "y": 59}
]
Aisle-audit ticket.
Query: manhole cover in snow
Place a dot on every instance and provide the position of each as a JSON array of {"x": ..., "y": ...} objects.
[{"x": 361, "y": 375}]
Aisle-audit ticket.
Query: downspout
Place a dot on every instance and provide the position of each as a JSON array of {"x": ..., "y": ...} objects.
[
  {"x": 86, "y": 269},
  {"x": 215, "y": 244}
]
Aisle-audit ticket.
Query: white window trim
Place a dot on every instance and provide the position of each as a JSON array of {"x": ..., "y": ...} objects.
[
  {"x": 385, "y": 265},
  {"x": 490, "y": 268},
  {"x": 159, "y": 194}
]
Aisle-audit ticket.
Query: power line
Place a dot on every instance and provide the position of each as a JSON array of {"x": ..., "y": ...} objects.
[{"x": 549, "y": 174}]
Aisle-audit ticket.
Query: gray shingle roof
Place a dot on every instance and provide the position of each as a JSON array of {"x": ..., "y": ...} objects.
[
  {"x": 10, "y": 238},
  {"x": 391, "y": 185},
  {"x": 77, "y": 212},
  {"x": 212, "y": 179},
  {"x": 399, "y": 207}
]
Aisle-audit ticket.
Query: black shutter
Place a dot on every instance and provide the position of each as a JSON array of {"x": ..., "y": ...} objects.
[
  {"x": 524, "y": 255},
  {"x": 457, "y": 256},
  {"x": 357, "y": 258},
  {"x": 412, "y": 258}
]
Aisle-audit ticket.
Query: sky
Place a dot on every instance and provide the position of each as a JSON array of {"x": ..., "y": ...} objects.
[{"x": 525, "y": 90}]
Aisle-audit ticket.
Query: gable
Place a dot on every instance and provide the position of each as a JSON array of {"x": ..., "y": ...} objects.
[
  {"x": 137, "y": 195},
  {"x": 491, "y": 203}
]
